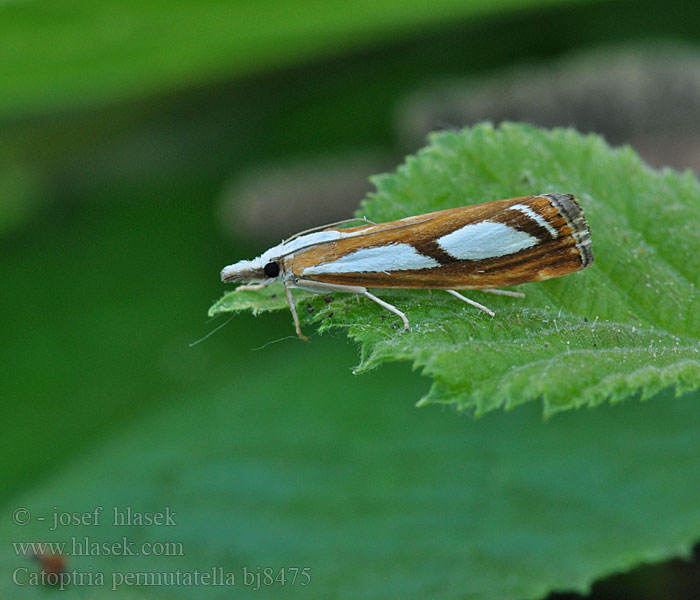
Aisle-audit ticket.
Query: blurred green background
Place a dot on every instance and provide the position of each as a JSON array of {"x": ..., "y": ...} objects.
[{"x": 145, "y": 145}]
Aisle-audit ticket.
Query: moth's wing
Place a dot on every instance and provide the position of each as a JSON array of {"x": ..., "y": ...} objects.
[{"x": 501, "y": 243}]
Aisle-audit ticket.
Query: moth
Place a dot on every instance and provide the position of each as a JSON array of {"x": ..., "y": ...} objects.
[{"x": 477, "y": 247}]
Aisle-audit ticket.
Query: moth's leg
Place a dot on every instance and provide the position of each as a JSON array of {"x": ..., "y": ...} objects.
[
  {"x": 295, "y": 316},
  {"x": 319, "y": 287},
  {"x": 390, "y": 307},
  {"x": 468, "y": 301},
  {"x": 504, "y": 293},
  {"x": 252, "y": 287}
]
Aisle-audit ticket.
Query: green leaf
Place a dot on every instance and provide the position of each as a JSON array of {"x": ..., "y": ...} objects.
[
  {"x": 627, "y": 326},
  {"x": 21, "y": 194},
  {"x": 263, "y": 300},
  {"x": 285, "y": 465}
]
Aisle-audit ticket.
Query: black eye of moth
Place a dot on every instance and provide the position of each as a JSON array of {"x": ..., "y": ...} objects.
[{"x": 271, "y": 269}]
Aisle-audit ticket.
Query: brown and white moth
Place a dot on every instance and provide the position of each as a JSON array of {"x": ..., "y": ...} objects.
[{"x": 477, "y": 247}]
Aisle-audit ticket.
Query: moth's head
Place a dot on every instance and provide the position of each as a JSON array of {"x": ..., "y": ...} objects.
[
  {"x": 251, "y": 271},
  {"x": 268, "y": 265}
]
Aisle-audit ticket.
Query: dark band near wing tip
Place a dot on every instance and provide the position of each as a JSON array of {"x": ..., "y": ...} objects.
[{"x": 569, "y": 207}]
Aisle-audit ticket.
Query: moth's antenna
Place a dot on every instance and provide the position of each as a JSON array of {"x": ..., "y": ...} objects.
[
  {"x": 354, "y": 235},
  {"x": 296, "y": 235},
  {"x": 213, "y": 331}
]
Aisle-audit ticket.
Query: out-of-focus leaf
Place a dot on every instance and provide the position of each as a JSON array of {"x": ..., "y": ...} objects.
[
  {"x": 290, "y": 465},
  {"x": 55, "y": 54},
  {"x": 21, "y": 193}
]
